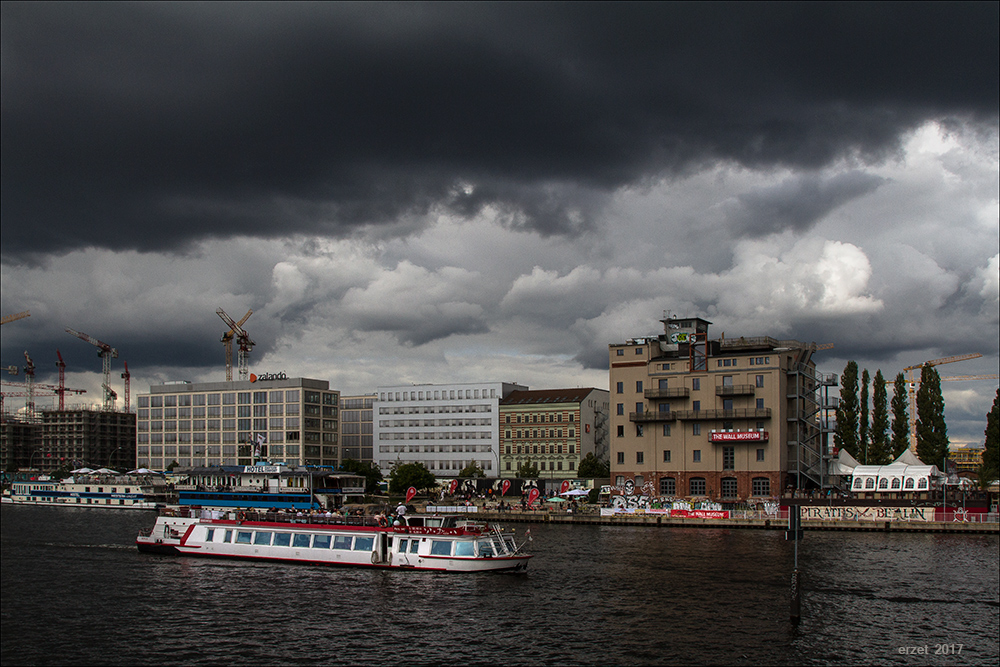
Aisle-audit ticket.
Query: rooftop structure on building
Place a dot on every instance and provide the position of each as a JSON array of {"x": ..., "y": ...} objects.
[
  {"x": 268, "y": 417},
  {"x": 444, "y": 426},
  {"x": 728, "y": 419},
  {"x": 553, "y": 429}
]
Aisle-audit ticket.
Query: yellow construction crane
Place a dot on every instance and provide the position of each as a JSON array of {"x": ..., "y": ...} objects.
[
  {"x": 913, "y": 380},
  {"x": 13, "y": 318}
]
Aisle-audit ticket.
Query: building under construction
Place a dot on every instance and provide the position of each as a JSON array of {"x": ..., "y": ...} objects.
[{"x": 69, "y": 438}]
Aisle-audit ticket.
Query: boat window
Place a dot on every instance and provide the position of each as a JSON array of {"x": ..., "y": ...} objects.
[
  {"x": 364, "y": 543},
  {"x": 402, "y": 546},
  {"x": 486, "y": 549},
  {"x": 440, "y": 548},
  {"x": 262, "y": 538},
  {"x": 433, "y": 521},
  {"x": 465, "y": 548},
  {"x": 228, "y": 537},
  {"x": 414, "y": 546},
  {"x": 243, "y": 537},
  {"x": 415, "y": 521},
  {"x": 342, "y": 542},
  {"x": 300, "y": 540},
  {"x": 321, "y": 541},
  {"x": 210, "y": 536},
  {"x": 282, "y": 539}
]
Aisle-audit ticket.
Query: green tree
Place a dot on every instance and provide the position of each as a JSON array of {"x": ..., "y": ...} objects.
[
  {"x": 879, "y": 453},
  {"x": 404, "y": 475},
  {"x": 527, "y": 469},
  {"x": 845, "y": 436},
  {"x": 173, "y": 464},
  {"x": 864, "y": 440},
  {"x": 593, "y": 467},
  {"x": 900, "y": 418},
  {"x": 932, "y": 432},
  {"x": 990, "y": 468},
  {"x": 367, "y": 469},
  {"x": 472, "y": 470}
]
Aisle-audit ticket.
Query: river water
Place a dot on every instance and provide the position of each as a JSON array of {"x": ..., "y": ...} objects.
[{"x": 76, "y": 591}]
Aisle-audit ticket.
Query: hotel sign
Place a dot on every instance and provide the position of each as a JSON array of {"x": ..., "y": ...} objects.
[{"x": 738, "y": 436}]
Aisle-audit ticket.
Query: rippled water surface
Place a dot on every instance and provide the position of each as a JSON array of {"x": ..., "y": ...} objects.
[{"x": 75, "y": 590}]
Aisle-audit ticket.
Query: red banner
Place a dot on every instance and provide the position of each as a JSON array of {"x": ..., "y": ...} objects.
[
  {"x": 410, "y": 492},
  {"x": 564, "y": 487},
  {"x": 452, "y": 487},
  {"x": 701, "y": 514},
  {"x": 532, "y": 496},
  {"x": 738, "y": 436},
  {"x": 504, "y": 487}
]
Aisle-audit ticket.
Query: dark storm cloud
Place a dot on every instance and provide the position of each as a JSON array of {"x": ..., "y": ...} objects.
[
  {"x": 798, "y": 203},
  {"x": 151, "y": 126}
]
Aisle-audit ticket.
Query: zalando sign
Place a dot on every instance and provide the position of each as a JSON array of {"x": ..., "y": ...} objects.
[{"x": 267, "y": 376}]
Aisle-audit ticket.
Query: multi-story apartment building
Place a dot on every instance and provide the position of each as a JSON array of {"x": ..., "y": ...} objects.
[
  {"x": 727, "y": 419},
  {"x": 70, "y": 438},
  {"x": 357, "y": 427},
  {"x": 553, "y": 429},
  {"x": 290, "y": 420},
  {"x": 444, "y": 426}
]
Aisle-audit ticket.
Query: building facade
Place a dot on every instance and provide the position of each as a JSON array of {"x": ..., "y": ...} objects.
[
  {"x": 729, "y": 419},
  {"x": 357, "y": 427},
  {"x": 446, "y": 427},
  {"x": 295, "y": 421},
  {"x": 553, "y": 429}
]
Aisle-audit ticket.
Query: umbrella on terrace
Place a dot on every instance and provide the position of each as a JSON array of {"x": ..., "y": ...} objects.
[
  {"x": 143, "y": 471},
  {"x": 82, "y": 471},
  {"x": 576, "y": 492},
  {"x": 556, "y": 499},
  {"x": 105, "y": 471}
]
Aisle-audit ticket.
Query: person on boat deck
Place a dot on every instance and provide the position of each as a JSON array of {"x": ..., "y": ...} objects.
[{"x": 401, "y": 510}]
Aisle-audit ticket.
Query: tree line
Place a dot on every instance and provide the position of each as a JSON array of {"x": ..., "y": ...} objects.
[{"x": 875, "y": 430}]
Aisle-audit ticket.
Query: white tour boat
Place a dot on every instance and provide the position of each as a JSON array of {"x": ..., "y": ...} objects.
[
  {"x": 416, "y": 542},
  {"x": 123, "y": 492}
]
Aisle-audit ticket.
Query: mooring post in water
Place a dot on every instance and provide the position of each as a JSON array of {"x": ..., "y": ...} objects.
[{"x": 794, "y": 533}]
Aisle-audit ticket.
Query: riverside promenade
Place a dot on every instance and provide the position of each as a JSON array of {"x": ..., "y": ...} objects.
[{"x": 590, "y": 515}]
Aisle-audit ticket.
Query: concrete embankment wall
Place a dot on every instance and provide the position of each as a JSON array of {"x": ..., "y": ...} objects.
[{"x": 759, "y": 524}]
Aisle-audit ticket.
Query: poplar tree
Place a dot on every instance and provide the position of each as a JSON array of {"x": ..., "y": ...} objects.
[
  {"x": 879, "y": 454},
  {"x": 863, "y": 431},
  {"x": 900, "y": 417},
  {"x": 990, "y": 468},
  {"x": 845, "y": 436},
  {"x": 932, "y": 432}
]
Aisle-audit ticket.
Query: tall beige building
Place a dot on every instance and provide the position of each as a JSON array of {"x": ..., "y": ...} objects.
[{"x": 727, "y": 419}]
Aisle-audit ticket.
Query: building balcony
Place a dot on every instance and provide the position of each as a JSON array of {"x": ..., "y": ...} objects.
[
  {"x": 650, "y": 416},
  {"x": 735, "y": 390},
  {"x": 673, "y": 392},
  {"x": 742, "y": 413}
]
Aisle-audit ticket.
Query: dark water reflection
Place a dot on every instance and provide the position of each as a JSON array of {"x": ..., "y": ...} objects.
[{"x": 75, "y": 590}]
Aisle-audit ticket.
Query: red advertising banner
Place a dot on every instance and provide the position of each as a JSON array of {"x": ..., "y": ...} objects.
[
  {"x": 452, "y": 487},
  {"x": 564, "y": 487},
  {"x": 701, "y": 514},
  {"x": 410, "y": 492},
  {"x": 738, "y": 436},
  {"x": 504, "y": 487},
  {"x": 532, "y": 496}
]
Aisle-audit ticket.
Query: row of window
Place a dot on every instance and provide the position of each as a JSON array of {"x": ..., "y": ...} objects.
[
  {"x": 430, "y": 449},
  {"x": 230, "y": 437},
  {"x": 728, "y": 457},
  {"x": 233, "y": 398},
  {"x": 534, "y": 419},
  {"x": 441, "y": 435},
  {"x": 211, "y": 450},
  {"x": 437, "y": 395},
  {"x": 293, "y": 540},
  {"x": 552, "y": 465},
  {"x": 884, "y": 485},
  {"x": 697, "y": 486},
  {"x": 417, "y": 423},
  {"x": 545, "y": 433},
  {"x": 539, "y": 449},
  {"x": 432, "y": 464}
]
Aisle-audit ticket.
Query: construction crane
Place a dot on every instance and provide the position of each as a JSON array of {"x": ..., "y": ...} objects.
[
  {"x": 32, "y": 388},
  {"x": 244, "y": 342},
  {"x": 227, "y": 340},
  {"x": 128, "y": 381},
  {"x": 13, "y": 318},
  {"x": 107, "y": 353},
  {"x": 913, "y": 380}
]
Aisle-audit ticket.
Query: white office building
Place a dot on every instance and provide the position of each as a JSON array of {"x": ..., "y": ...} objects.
[{"x": 444, "y": 426}]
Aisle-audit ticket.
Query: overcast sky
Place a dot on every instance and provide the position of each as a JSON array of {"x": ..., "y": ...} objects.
[{"x": 465, "y": 192}]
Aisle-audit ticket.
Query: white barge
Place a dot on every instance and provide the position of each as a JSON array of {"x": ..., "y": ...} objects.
[
  {"x": 122, "y": 493},
  {"x": 430, "y": 543}
]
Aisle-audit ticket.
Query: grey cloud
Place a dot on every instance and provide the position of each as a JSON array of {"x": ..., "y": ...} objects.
[
  {"x": 796, "y": 204},
  {"x": 153, "y": 126}
]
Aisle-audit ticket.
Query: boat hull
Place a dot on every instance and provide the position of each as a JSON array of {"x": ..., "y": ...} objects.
[{"x": 379, "y": 547}]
